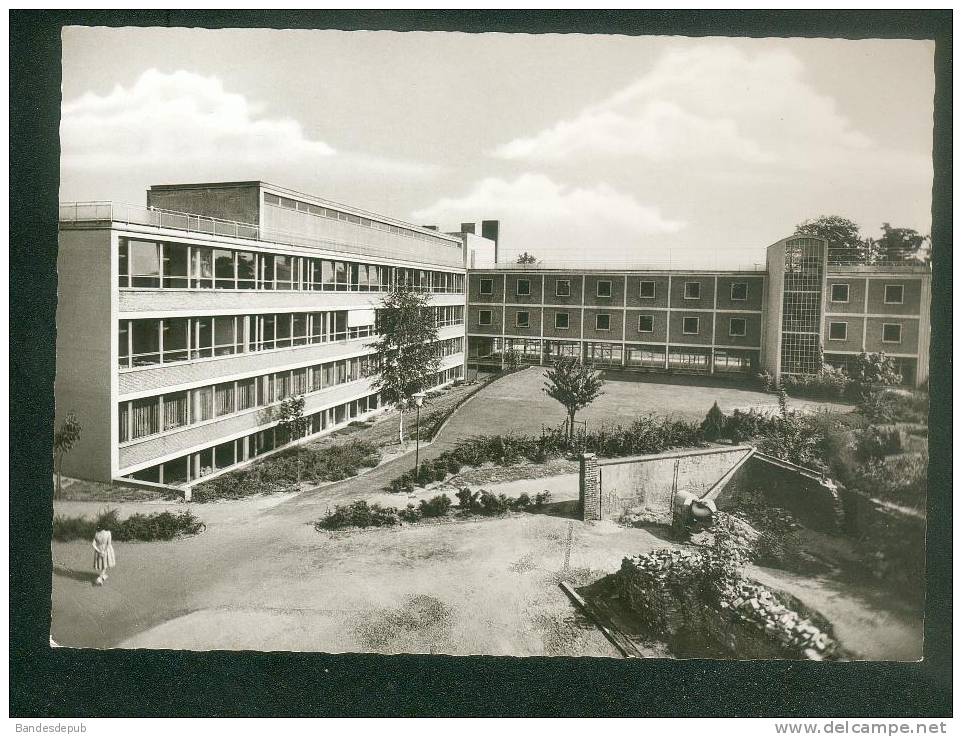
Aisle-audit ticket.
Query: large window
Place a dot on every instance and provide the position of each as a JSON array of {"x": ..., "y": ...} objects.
[
  {"x": 562, "y": 288},
  {"x": 737, "y": 327},
  {"x": 603, "y": 322},
  {"x": 144, "y": 259},
  {"x": 840, "y": 293},
  {"x": 646, "y": 289},
  {"x": 689, "y": 325},
  {"x": 646, "y": 323},
  {"x": 891, "y": 333},
  {"x": 561, "y": 320},
  {"x": 604, "y": 288},
  {"x": 176, "y": 266},
  {"x": 486, "y": 287},
  {"x": 692, "y": 290},
  {"x": 739, "y": 291},
  {"x": 224, "y": 276},
  {"x": 838, "y": 331},
  {"x": 521, "y": 319},
  {"x": 524, "y": 287},
  {"x": 484, "y": 317},
  {"x": 894, "y": 294}
]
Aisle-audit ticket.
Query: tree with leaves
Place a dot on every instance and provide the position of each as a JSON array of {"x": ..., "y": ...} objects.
[
  {"x": 713, "y": 426},
  {"x": 64, "y": 439},
  {"x": 899, "y": 244},
  {"x": 874, "y": 369},
  {"x": 845, "y": 243},
  {"x": 406, "y": 358},
  {"x": 294, "y": 424},
  {"x": 574, "y": 384},
  {"x": 527, "y": 258}
]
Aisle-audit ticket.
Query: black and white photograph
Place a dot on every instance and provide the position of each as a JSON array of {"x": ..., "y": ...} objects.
[{"x": 532, "y": 345}]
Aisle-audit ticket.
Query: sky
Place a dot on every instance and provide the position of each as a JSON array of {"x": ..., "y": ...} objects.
[{"x": 585, "y": 147}]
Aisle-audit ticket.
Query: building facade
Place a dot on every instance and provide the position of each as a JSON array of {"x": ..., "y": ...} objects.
[
  {"x": 182, "y": 325},
  {"x": 785, "y": 317}
]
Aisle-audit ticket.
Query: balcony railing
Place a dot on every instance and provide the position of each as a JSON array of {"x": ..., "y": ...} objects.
[{"x": 128, "y": 214}]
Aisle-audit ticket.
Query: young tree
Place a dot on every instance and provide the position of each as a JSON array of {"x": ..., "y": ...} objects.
[
  {"x": 573, "y": 384},
  {"x": 64, "y": 439},
  {"x": 713, "y": 426},
  {"x": 845, "y": 244},
  {"x": 406, "y": 352},
  {"x": 294, "y": 424},
  {"x": 527, "y": 258},
  {"x": 900, "y": 244}
]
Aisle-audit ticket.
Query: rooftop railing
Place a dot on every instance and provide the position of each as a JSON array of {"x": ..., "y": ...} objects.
[
  {"x": 666, "y": 264},
  {"x": 128, "y": 214}
]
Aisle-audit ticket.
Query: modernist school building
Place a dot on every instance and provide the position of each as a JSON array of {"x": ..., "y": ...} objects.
[
  {"x": 182, "y": 325},
  {"x": 779, "y": 317}
]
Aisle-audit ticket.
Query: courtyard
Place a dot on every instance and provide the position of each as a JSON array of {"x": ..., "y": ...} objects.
[{"x": 261, "y": 577}]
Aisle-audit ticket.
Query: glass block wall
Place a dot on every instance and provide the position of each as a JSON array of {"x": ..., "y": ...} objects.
[{"x": 801, "y": 306}]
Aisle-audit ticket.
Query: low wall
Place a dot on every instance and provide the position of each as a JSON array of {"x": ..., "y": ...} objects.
[
  {"x": 646, "y": 485},
  {"x": 811, "y": 498}
]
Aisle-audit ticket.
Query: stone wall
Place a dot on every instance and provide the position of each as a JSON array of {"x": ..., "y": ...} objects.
[{"x": 645, "y": 485}]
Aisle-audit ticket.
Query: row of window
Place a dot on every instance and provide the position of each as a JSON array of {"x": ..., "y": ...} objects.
[
  {"x": 151, "y": 341},
  {"x": 153, "y": 265},
  {"x": 737, "y": 326},
  {"x": 646, "y": 289},
  {"x": 327, "y": 212},
  {"x": 141, "y": 418},
  {"x": 894, "y": 294},
  {"x": 618, "y": 354},
  {"x": 891, "y": 332},
  {"x": 195, "y": 466}
]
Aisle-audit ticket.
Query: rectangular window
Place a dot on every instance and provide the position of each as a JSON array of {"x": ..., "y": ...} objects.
[
  {"x": 521, "y": 319},
  {"x": 484, "y": 317},
  {"x": 603, "y": 322},
  {"x": 300, "y": 328},
  {"x": 646, "y": 323},
  {"x": 144, "y": 260},
  {"x": 561, "y": 320},
  {"x": 689, "y": 325},
  {"x": 736, "y": 327},
  {"x": 175, "y": 266},
  {"x": 692, "y": 290},
  {"x": 203, "y": 404},
  {"x": 285, "y": 272},
  {"x": 894, "y": 294},
  {"x": 524, "y": 287},
  {"x": 224, "y": 277},
  {"x": 840, "y": 293},
  {"x": 123, "y": 265},
  {"x": 225, "y": 336},
  {"x": 224, "y": 455},
  {"x": 123, "y": 344},
  {"x": 246, "y": 270},
  {"x": 246, "y": 394},
  {"x": 340, "y": 276},
  {"x": 175, "y": 339},
  {"x": 145, "y": 342},
  {"x": 604, "y": 288},
  {"x": 203, "y": 337},
  {"x": 283, "y": 328},
  {"x": 327, "y": 275},
  {"x": 224, "y": 399},
  {"x": 838, "y": 331},
  {"x": 145, "y": 417},
  {"x": 646, "y": 290},
  {"x": 739, "y": 291},
  {"x": 486, "y": 287},
  {"x": 891, "y": 333},
  {"x": 562, "y": 288},
  {"x": 202, "y": 276}
]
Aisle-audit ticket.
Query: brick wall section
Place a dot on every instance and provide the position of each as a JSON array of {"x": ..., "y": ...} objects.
[{"x": 589, "y": 488}]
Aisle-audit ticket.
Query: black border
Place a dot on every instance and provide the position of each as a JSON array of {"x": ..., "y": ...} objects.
[{"x": 45, "y": 682}]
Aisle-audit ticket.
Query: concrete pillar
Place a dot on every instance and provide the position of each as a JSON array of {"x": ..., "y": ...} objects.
[
  {"x": 589, "y": 487},
  {"x": 187, "y": 493}
]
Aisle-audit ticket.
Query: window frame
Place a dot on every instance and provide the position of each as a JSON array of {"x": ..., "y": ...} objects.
[
  {"x": 892, "y": 325},
  {"x": 696, "y": 284},
  {"x": 654, "y": 289},
  {"x": 598, "y": 288},
  {"x": 744, "y": 323},
  {"x": 566, "y": 316},
  {"x": 482, "y": 313},
  {"x": 607, "y": 316},
  {"x": 832, "y": 324},
  {"x": 731, "y": 291},
  {"x": 901, "y": 299},
  {"x": 481, "y": 281},
  {"x": 649, "y": 317},
  {"x": 848, "y": 293},
  {"x": 557, "y": 285},
  {"x": 517, "y": 288},
  {"x": 527, "y": 319},
  {"x": 684, "y": 321}
]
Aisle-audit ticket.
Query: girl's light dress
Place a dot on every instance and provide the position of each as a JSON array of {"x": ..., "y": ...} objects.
[{"x": 103, "y": 551}]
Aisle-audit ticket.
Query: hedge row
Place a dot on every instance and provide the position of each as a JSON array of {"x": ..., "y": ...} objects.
[{"x": 145, "y": 527}]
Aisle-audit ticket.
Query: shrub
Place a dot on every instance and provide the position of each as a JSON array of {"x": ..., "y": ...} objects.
[
  {"x": 542, "y": 498},
  {"x": 874, "y": 369},
  {"x": 766, "y": 381},
  {"x": 453, "y": 466},
  {"x": 887, "y": 406},
  {"x": 358, "y": 514},
  {"x": 874, "y": 443},
  {"x": 425, "y": 474},
  {"x": 440, "y": 470},
  {"x": 410, "y": 514},
  {"x": 713, "y": 426},
  {"x": 467, "y": 499},
  {"x": 743, "y": 426},
  {"x": 522, "y": 503},
  {"x": 829, "y": 383},
  {"x": 437, "y": 507},
  {"x": 491, "y": 504},
  {"x": 144, "y": 527}
]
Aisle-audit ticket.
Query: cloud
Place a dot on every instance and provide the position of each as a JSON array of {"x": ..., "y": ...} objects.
[
  {"x": 183, "y": 124},
  {"x": 711, "y": 104},
  {"x": 559, "y": 222}
]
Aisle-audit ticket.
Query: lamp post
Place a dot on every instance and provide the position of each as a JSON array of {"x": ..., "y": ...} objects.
[{"x": 418, "y": 398}]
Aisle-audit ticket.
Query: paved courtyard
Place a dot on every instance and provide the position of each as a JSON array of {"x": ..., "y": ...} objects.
[{"x": 261, "y": 577}]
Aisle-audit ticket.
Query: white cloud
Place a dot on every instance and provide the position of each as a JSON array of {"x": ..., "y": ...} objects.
[
  {"x": 709, "y": 104},
  {"x": 541, "y": 216},
  {"x": 180, "y": 117}
]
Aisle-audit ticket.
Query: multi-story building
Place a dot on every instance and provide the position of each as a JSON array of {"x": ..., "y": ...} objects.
[
  {"x": 182, "y": 325},
  {"x": 782, "y": 317}
]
